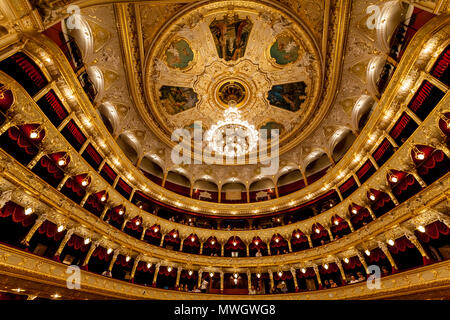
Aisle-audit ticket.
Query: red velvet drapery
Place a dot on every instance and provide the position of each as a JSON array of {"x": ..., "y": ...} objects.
[
  {"x": 189, "y": 243},
  {"x": 323, "y": 233},
  {"x": 6, "y": 99},
  {"x": 332, "y": 267},
  {"x": 401, "y": 245},
  {"x": 235, "y": 243},
  {"x": 433, "y": 231},
  {"x": 77, "y": 243},
  {"x": 301, "y": 237},
  {"x": 309, "y": 273},
  {"x": 51, "y": 230},
  {"x": 381, "y": 198},
  {"x": 135, "y": 224},
  {"x": 287, "y": 275},
  {"x": 17, "y": 214},
  {"x": 102, "y": 254},
  {"x": 170, "y": 239},
  {"x": 143, "y": 266},
  {"x": 353, "y": 262},
  {"x": 22, "y": 141},
  {"x": 163, "y": 270}
]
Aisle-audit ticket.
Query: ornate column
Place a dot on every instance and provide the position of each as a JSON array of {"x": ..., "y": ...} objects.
[
  {"x": 356, "y": 179},
  {"x": 113, "y": 260},
  {"x": 419, "y": 179},
  {"x": 83, "y": 201},
  {"x": 37, "y": 224},
  {"x": 294, "y": 277},
  {"x": 177, "y": 281},
  {"x": 248, "y": 194},
  {"x": 247, "y": 248},
  {"x": 124, "y": 223},
  {"x": 135, "y": 264},
  {"x": 222, "y": 250},
  {"x": 36, "y": 158},
  {"x": 272, "y": 283},
  {"x": 155, "y": 275},
  {"x": 249, "y": 280},
  {"x": 199, "y": 280},
  {"x": 164, "y": 179},
  {"x": 350, "y": 224},
  {"x": 330, "y": 234},
  {"x": 289, "y": 243},
  {"x": 385, "y": 250},
  {"x": 394, "y": 199},
  {"x": 161, "y": 243},
  {"x": 316, "y": 270},
  {"x": 339, "y": 193},
  {"x": 221, "y": 281},
  {"x": 341, "y": 269},
  {"x": 105, "y": 210},
  {"x": 201, "y": 247},
  {"x": 63, "y": 243},
  {"x": 144, "y": 229},
  {"x": 277, "y": 194},
  {"x": 411, "y": 237},
  {"x": 374, "y": 163},
  {"x": 181, "y": 245},
  {"x": 308, "y": 236},
  {"x": 363, "y": 261},
  {"x": 63, "y": 182},
  {"x": 269, "y": 253},
  {"x": 90, "y": 252},
  {"x": 372, "y": 214},
  {"x": 391, "y": 140}
]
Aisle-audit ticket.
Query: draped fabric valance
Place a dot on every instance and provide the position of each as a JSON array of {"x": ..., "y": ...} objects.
[
  {"x": 102, "y": 254},
  {"x": 17, "y": 214},
  {"x": 433, "y": 231},
  {"x": 77, "y": 243},
  {"x": 401, "y": 245},
  {"x": 51, "y": 231}
]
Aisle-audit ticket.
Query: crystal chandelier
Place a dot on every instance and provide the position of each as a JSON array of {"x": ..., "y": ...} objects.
[{"x": 232, "y": 137}]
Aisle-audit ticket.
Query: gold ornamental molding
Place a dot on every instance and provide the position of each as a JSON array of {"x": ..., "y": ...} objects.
[
  {"x": 37, "y": 45},
  {"x": 26, "y": 268},
  {"x": 14, "y": 176}
]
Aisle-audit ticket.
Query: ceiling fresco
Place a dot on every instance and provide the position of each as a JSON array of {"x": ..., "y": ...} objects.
[{"x": 297, "y": 65}]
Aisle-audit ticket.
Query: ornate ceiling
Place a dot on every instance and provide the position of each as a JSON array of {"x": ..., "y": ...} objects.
[{"x": 297, "y": 66}]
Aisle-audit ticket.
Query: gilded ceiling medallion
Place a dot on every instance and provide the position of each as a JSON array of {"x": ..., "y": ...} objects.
[
  {"x": 250, "y": 54},
  {"x": 232, "y": 91}
]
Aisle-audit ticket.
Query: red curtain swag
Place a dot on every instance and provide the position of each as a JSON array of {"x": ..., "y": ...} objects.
[
  {"x": 51, "y": 230},
  {"x": 17, "y": 214}
]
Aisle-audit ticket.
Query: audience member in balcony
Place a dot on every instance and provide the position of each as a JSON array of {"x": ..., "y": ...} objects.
[
  {"x": 107, "y": 273},
  {"x": 258, "y": 253},
  {"x": 333, "y": 284},
  {"x": 252, "y": 290},
  {"x": 258, "y": 290},
  {"x": 283, "y": 287},
  {"x": 322, "y": 242},
  {"x": 353, "y": 279},
  {"x": 228, "y": 227},
  {"x": 186, "y": 288},
  {"x": 326, "y": 284},
  {"x": 336, "y": 237},
  {"x": 204, "y": 286},
  {"x": 361, "y": 276}
]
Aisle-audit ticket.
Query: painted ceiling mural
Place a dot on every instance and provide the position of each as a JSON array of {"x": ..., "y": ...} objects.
[
  {"x": 249, "y": 55},
  {"x": 179, "y": 54},
  {"x": 231, "y": 36},
  {"x": 177, "y": 70},
  {"x": 285, "y": 50},
  {"x": 177, "y": 99},
  {"x": 289, "y": 96}
]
